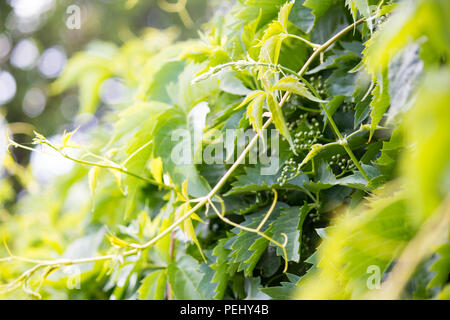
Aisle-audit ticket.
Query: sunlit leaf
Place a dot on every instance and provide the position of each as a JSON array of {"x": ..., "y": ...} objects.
[{"x": 292, "y": 85}]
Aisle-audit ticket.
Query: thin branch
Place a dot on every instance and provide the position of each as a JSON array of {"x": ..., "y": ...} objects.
[
  {"x": 180, "y": 8},
  {"x": 327, "y": 44},
  {"x": 315, "y": 46},
  {"x": 362, "y": 128},
  {"x": 136, "y": 152},
  {"x": 242, "y": 64},
  {"x": 111, "y": 166},
  {"x": 257, "y": 230},
  {"x": 272, "y": 207},
  {"x": 342, "y": 141}
]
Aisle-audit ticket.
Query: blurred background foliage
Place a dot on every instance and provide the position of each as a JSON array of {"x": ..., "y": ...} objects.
[{"x": 35, "y": 45}]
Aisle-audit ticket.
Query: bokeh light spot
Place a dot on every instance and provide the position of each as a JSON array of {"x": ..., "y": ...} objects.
[
  {"x": 30, "y": 8},
  {"x": 7, "y": 87},
  {"x": 5, "y": 46},
  {"x": 113, "y": 91},
  {"x": 34, "y": 102},
  {"x": 24, "y": 54},
  {"x": 52, "y": 62}
]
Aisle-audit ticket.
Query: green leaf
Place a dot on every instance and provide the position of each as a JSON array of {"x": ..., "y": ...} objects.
[
  {"x": 313, "y": 152},
  {"x": 253, "y": 288},
  {"x": 184, "y": 278},
  {"x": 229, "y": 82},
  {"x": 363, "y": 7},
  {"x": 332, "y": 107},
  {"x": 302, "y": 17},
  {"x": 216, "y": 275},
  {"x": 326, "y": 179},
  {"x": 133, "y": 118},
  {"x": 85, "y": 247},
  {"x": 187, "y": 226},
  {"x": 256, "y": 249},
  {"x": 341, "y": 83},
  {"x": 249, "y": 34},
  {"x": 90, "y": 84},
  {"x": 92, "y": 178},
  {"x": 285, "y": 291},
  {"x": 427, "y": 163},
  {"x": 278, "y": 118},
  {"x": 268, "y": 9},
  {"x": 185, "y": 94},
  {"x": 380, "y": 103},
  {"x": 255, "y": 111},
  {"x": 274, "y": 36},
  {"x": 175, "y": 151},
  {"x": 367, "y": 237},
  {"x": 250, "y": 96},
  {"x": 283, "y": 15},
  {"x": 248, "y": 247},
  {"x": 220, "y": 267},
  {"x": 157, "y": 91},
  {"x": 271, "y": 44},
  {"x": 410, "y": 21},
  {"x": 390, "y": 154},
  {"x": 290, "y": 223},
  {"x": 405, "y": 72},
  {"x": 79, "y": 65},
  {"x": 292, "y": 85},
  {"x": 441, "y": 267},
  {"x": 253, "y": 181},
  {"x": 318, "y": 7},
  {"x": 362, "y": 111},
  {"x": 140, "y": 120},
  {"x": 153, "y": 286}
]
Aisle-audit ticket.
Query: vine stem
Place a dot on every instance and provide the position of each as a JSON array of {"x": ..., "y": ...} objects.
[
  {"x": 380, "y": 4},
  {"x": 202, "y": 201},
  {"x": 342, "y": 141},
  {"x": 180, "y": 8},
  {"x": 327, "y": 44},
  {"x": 243, "y": 64},
  {"x": 363, "y": 128},
  {"x": 355, "y": 160},
  {"x": 317, "y": 52},
  {"x": 112, "y": 166},
  {"x": 258, "y": 229},
  {"x": 211, "y": 194},
  {"x": 309, "y": 43}
]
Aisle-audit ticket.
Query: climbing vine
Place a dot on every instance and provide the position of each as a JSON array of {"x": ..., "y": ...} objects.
[{"x": 356, "y": 185}]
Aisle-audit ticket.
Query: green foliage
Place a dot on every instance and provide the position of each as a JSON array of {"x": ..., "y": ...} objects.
[
  {"x": 153, "y": 286},
  {"x": 184, "y": 279},
  {"x": 380, "y": 103},
  {"x": 361, "y": 108},
  {"x": 377, "y": 236}
]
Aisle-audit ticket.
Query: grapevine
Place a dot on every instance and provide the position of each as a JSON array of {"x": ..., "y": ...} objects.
[{"x": 356, "y": 94}]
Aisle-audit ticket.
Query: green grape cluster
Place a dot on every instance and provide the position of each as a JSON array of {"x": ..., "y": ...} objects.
[
  {"x": 347, "y": 107},
  {"x": 307, "y": 133},
  {"x": 341, "y": 164},
  {"x": 306, "y": 245},
  {"x": 318, "y": 84},
  {"x": 314, "y": 216},
  {"x": 380, "y": 21}
]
